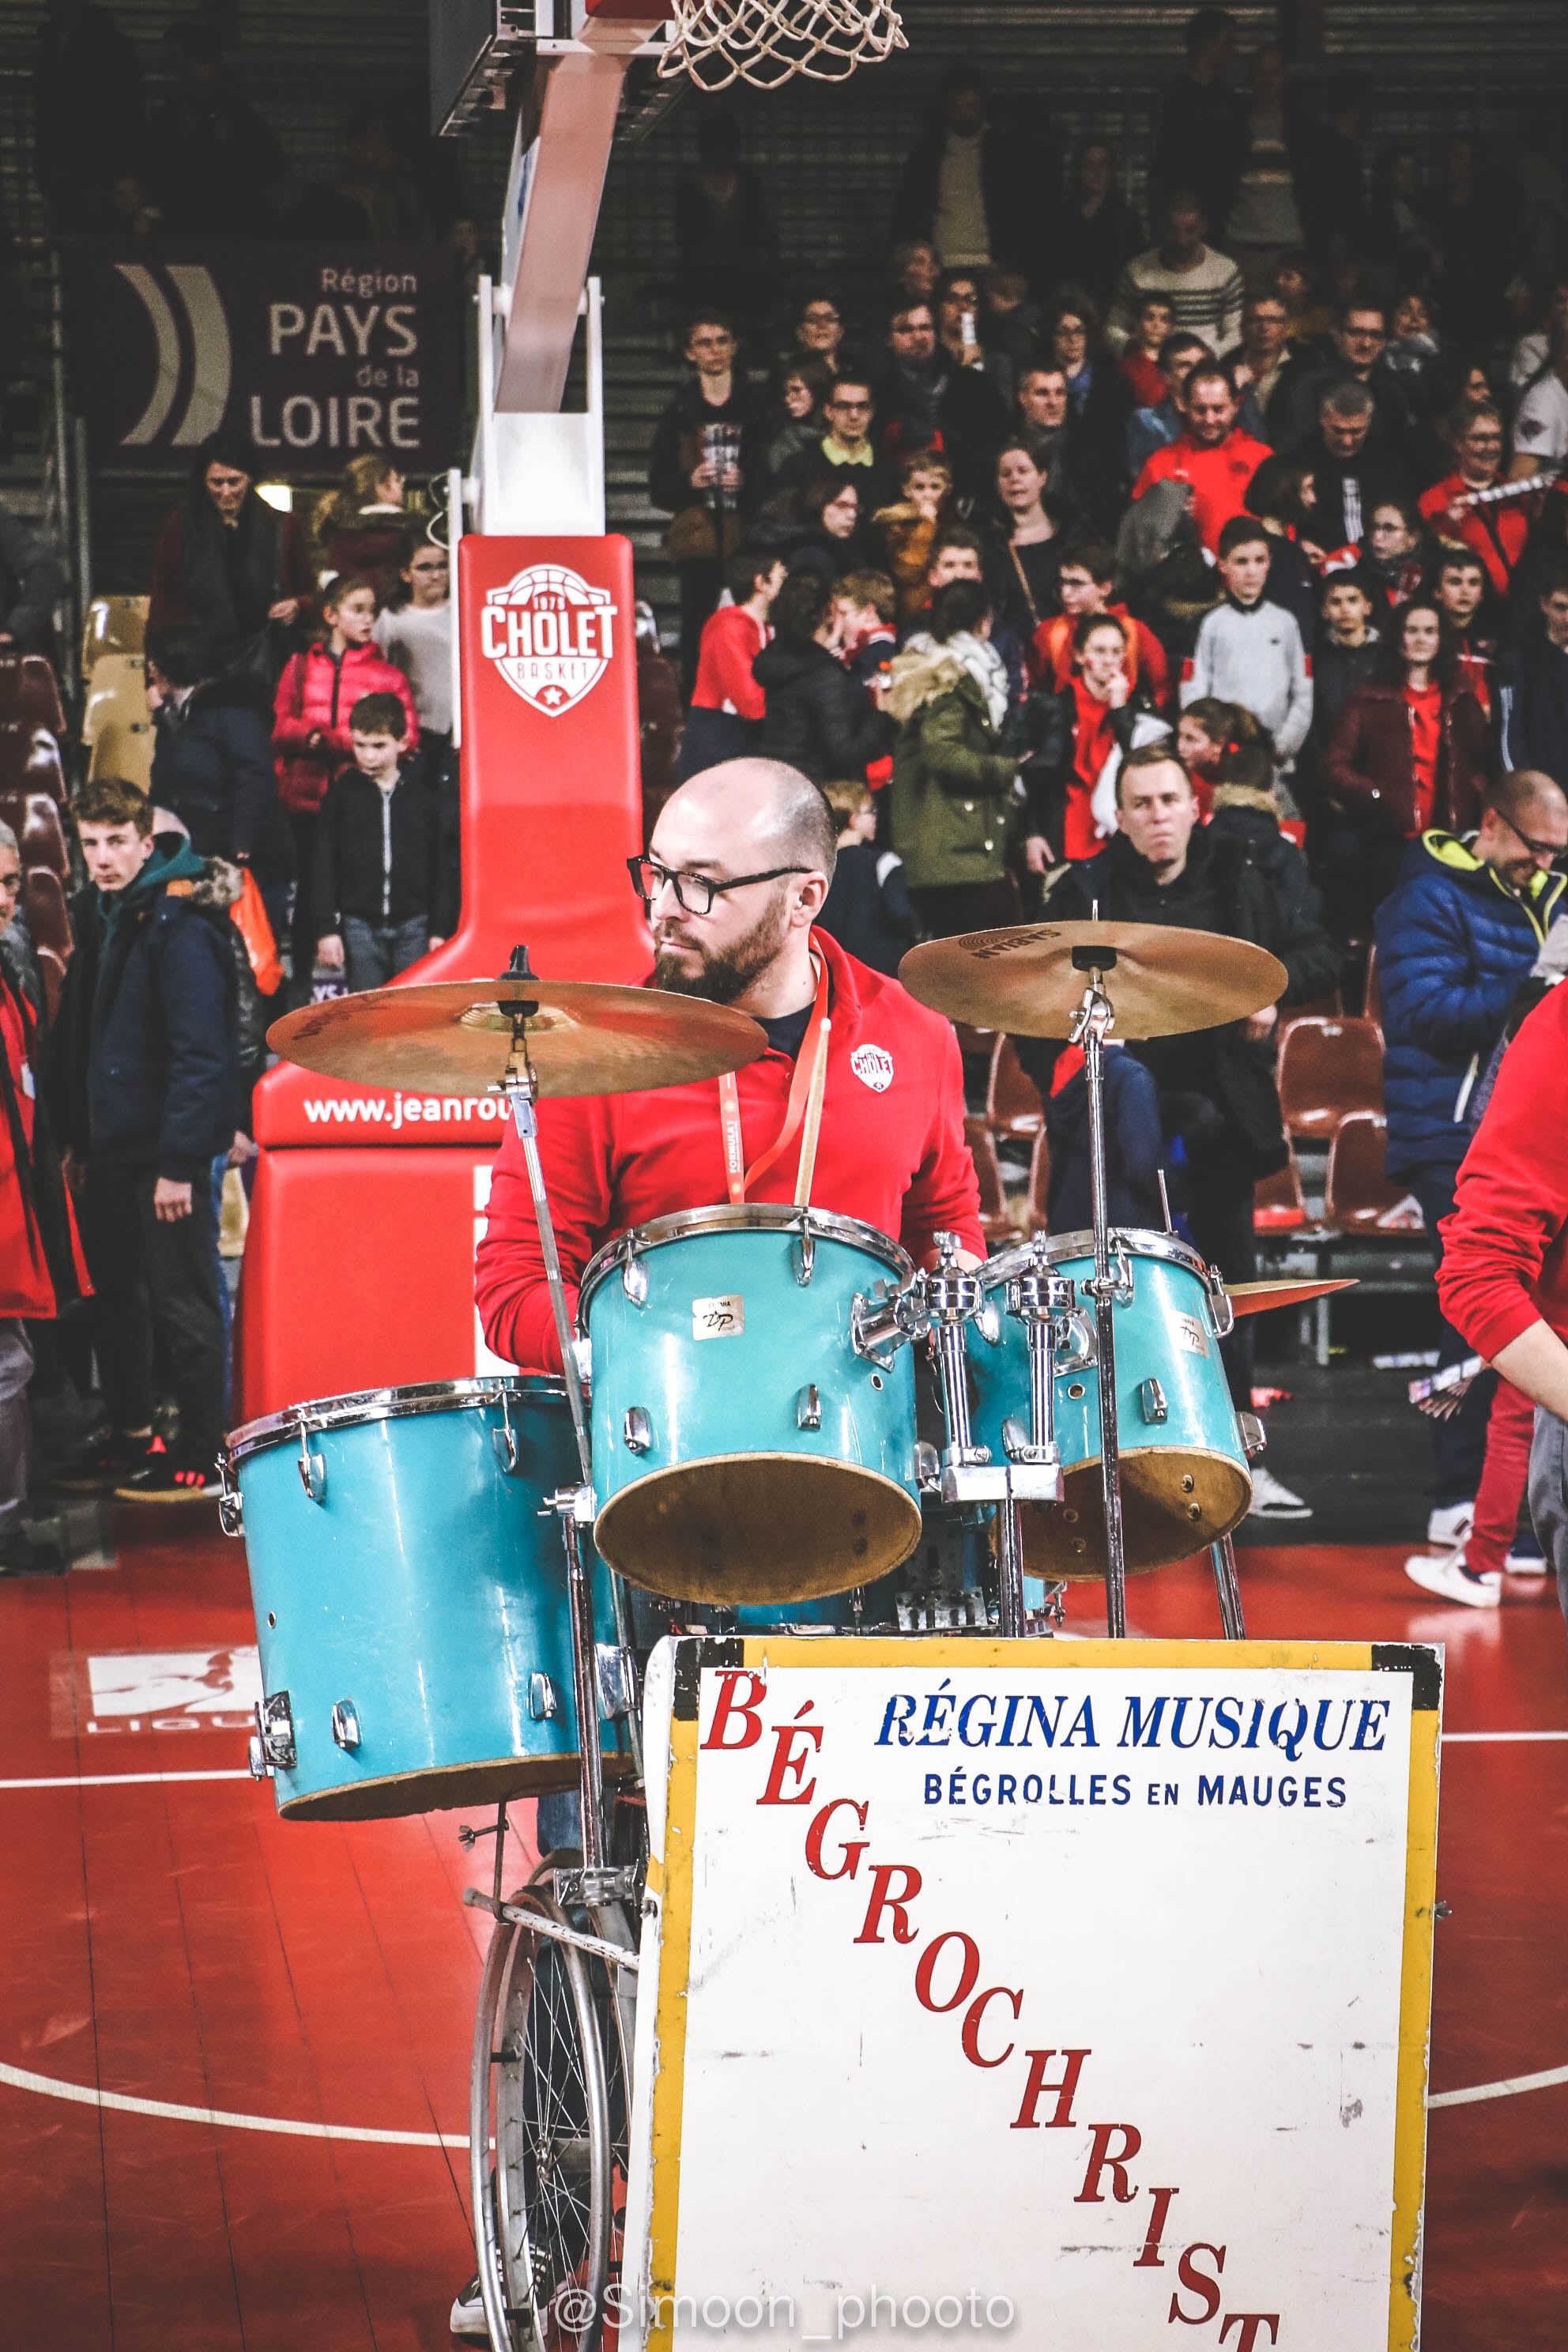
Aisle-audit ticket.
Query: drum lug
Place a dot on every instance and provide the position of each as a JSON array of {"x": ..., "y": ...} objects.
[
  {"x": 313, "y": 1467},
  {"x": 543, "y": 1700},
  {"x": 1221, "y": 1307},
  {"x": 260, "y": 1769},
  {"x": 274, "y": 1742},
  {"x": 634, "y": 1281},
  {"x": 503, "y": 1441},
  {"x": 927, "y": 1468},
  {"x": 1253, "y": 1438},
  {"x": 1152, "y": 1402},
  {"x": 988, "y": 1323},
  {"x": 230, "y": 1507},
  {"x": 617, "y": 1672},
  {"x": 345, "y": 1725},
  {"x": 805, "y": 1254},
  {"x": 807, "y": 1407},
  {"x": 637, "y": 1430}
]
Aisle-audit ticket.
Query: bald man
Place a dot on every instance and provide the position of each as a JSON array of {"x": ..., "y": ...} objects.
[
  {"x": 1455, "y": 938},
  {"x": 733, "y": 880}
]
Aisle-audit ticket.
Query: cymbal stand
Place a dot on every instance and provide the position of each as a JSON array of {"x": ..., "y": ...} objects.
[
  {"x": 1228, "y": 1588},
  {"x": 574, "y": 1507},
  {"x": 1091, "y": 1025}
]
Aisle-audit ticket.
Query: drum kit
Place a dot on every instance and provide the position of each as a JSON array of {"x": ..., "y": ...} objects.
[{"x": 744, "y": 1438}]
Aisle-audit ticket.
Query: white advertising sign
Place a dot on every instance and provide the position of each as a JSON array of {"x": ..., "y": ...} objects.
[{"x": 1070, "y": 1994}]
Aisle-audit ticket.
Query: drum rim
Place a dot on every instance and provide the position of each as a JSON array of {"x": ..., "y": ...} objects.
[
  {"x": 1141, "y": 1241},
  {"x": 742, "y": 1216},
  {"x": 357, "y": 1406}
]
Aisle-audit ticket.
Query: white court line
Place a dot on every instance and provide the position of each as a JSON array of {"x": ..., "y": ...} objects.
[
  {"x": 1450, "y": 1736},
  {"x": 83, "y": 2094},
  {"x": 1504, "y": 2090},
  {"x": 117, "y": 1779}
]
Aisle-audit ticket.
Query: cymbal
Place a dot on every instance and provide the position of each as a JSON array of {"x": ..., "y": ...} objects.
[
  {"x": 1161, "y": 983},
  {"x": 451, "y": 1037},
  {"x": 1258, "y": 1298}
]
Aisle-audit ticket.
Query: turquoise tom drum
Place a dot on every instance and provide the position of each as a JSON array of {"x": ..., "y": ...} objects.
[
  {"x": 410, "y": 1600},
  {"x": 743, "y": 1451},
  {"x": 1185, "y": 1479}
]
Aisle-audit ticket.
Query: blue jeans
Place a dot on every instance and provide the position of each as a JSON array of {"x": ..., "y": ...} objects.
[{"x": 373, "y": 952}]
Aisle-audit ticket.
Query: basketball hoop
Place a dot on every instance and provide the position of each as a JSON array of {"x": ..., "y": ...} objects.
[{"x": 766, "y": 42}]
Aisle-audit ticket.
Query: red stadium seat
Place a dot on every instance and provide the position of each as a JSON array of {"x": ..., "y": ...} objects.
[
  {"x": 30, "y": 760},
  {"x": 1013, "y": 1105},
  {"x": 44, "y": 912},
  {"x": 28, "y": 691},
  {"x": 1327, "y": 1070},
  {"x": 1278, "y": 1203},
  {"x": 1358, "y": 1196},
  {"x": 994, "y": 1222},
  {"x": 35, "y": 819}
]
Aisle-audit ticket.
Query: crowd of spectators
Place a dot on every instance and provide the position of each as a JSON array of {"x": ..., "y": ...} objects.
[
  {"x": 1209, "y": 566},
  {"x": 298, "y": 832},
  {"x": 1206, "y": 562}
]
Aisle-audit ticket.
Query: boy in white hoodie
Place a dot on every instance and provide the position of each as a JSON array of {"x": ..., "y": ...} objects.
[{"x": 1249, "y": 650}]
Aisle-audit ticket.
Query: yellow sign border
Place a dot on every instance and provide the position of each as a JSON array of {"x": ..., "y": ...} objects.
[{"x": 674, "y": 1884}]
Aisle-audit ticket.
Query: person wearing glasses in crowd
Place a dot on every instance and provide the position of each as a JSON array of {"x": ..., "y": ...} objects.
[
  {"x": 733, "y": 882},
  {"x": 846, "y": 448}
]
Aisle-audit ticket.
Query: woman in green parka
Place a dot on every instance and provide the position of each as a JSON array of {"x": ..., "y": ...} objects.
[{"x": 955, "y": 805}]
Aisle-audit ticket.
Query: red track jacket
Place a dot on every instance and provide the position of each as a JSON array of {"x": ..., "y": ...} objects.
[
  {"x": 1220, "y": 477},
  {"x": 1505, "y": 1247},
  {"x": 892, "y": 1153}
]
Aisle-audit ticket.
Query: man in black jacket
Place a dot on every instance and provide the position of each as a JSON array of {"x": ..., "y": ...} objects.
[
  {"x": 212, "y": 760},
  {"x": 698, "y": 472},
  {"x": 1239, "y": 876},
  {"x": 141, "y": 1087}
]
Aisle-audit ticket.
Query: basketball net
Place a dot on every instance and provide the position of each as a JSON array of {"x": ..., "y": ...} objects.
[{"x": 766, "y": 42}]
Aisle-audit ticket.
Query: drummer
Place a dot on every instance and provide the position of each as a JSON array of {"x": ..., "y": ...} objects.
[{"x": 733, "y": 879}]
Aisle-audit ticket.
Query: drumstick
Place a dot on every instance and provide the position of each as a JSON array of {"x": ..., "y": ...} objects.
[{"x": 809, "y": 1132}]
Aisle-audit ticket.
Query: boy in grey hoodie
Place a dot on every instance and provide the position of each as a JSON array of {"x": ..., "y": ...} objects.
[{"x": 1249, "y": 650}]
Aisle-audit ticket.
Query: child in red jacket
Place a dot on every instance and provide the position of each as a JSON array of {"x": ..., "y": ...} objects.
[{"x": 310, "y": 734}]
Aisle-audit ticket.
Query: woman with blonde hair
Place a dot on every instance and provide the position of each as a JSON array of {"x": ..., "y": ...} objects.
[{"x": 362, "y": 526}]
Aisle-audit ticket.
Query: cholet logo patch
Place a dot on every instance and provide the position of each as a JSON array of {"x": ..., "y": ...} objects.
[
  {"x": 550, "y": 634},
  {"x": 873, "y": 1065}
]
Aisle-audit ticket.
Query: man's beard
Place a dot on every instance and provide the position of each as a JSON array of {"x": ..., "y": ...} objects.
[{"x": 725, "y": 973}]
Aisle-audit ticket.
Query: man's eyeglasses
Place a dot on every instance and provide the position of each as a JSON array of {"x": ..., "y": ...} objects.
[
  {"x": 1555, "y": 850},
  {"x": 695, "y": 893}
]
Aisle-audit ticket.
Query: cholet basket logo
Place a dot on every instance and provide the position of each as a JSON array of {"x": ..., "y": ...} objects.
[{"x": 550, "y": 634}]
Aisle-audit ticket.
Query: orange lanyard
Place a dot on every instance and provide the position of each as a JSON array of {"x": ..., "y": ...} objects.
[{"x": 737, "y": 1175}]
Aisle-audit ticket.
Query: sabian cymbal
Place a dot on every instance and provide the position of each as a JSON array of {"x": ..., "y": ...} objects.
[
  {"x": 1258, "y": 1298},
  {"x": 451, "y": 1037},
  {"x": 1161, "y": 983}
]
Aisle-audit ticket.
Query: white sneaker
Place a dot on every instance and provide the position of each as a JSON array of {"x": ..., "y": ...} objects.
[
  {"x": 467, "y": 2317},
  {"x": 1273, "y": 1500},
  {"x": 1451, "y": 1523},
  {"x": 1446, "y": 1574}
]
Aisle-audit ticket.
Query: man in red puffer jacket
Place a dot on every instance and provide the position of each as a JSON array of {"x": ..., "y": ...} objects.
[{"x": 310, "y": 711}]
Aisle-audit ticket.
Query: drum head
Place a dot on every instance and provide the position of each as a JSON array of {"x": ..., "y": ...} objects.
[
  {"x": 1173, "y": 1502},
  {"x": 746, "y": 1527}
]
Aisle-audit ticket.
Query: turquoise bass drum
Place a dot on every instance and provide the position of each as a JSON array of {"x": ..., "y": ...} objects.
[
  {"x": 744, "y": 1452},
  {"x": 410, "y": 1600},
  {"x": 1184, "y": 1479}
]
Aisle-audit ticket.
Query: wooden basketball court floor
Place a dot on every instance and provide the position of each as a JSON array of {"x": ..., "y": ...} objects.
[{"x": 233, "y": 2053}]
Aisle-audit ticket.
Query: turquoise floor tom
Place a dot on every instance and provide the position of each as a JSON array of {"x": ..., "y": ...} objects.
[{"x": 410, "y": 1600}]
